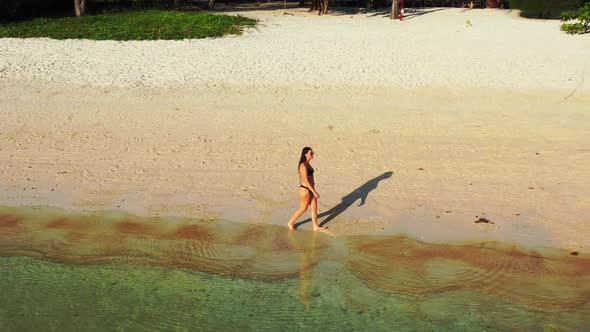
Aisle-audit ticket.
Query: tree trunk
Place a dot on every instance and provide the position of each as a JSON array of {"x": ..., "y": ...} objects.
[
  {"x": 493, "y": 3},
  {"x": 315, "y": 5},
  {"x": 211, "y": 5},
  {"x": 320, "y": 5},
  {"x": 395, "y": 10},
  {"x": 325, "y": 5},
  {"x": 80, "y": 6}
]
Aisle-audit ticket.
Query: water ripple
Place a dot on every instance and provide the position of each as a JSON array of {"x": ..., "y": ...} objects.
[{"x": 362, "y": 276}]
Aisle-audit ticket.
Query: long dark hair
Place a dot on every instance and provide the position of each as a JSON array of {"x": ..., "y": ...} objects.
[{"x": 303, "y": 157}]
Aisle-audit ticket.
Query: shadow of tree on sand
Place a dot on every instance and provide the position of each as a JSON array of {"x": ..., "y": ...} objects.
[{"x": 360, "y": 193}]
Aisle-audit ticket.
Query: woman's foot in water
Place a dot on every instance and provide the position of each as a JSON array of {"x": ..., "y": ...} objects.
[
  {"x": 291, "y": 226},
  {"x": 318, "y": 228}
]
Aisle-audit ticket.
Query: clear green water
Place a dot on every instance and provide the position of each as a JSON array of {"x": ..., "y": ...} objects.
[{"x": 110, "y": 271}]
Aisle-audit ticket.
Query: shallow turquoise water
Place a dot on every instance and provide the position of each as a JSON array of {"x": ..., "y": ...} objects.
[{"x": 62, "y": 271}]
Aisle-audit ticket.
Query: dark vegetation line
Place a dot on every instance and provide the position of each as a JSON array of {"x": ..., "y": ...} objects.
[
  {"x": 10, "y": 9},
  {"x": 118, "y": 20},
  {"x": 545, "y": 8},
  {"x": 180, "y": 19}
]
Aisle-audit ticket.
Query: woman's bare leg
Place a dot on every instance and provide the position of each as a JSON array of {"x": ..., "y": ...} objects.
[
  {"x": 304, "y": 196},
  {"x": 314, "y": 214}
]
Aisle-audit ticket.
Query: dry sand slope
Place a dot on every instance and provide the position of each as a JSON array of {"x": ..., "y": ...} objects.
[{"x": 489, "y": 120}]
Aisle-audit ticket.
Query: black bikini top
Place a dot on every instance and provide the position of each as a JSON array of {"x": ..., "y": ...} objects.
[{"x": 310, "y": 170}]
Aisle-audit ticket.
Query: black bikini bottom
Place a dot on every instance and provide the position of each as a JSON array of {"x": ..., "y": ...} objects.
[{"x": 302, "y": 186}]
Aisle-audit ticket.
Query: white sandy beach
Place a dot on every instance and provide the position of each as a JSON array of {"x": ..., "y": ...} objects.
[{"x": 489, "y": 120}]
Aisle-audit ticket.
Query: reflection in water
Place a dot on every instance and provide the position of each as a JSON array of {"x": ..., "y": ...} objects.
[
  {"x": 265, "y": 276},
  {"x": 307, "y": 246},
  {"x": 306, "y": 263}
]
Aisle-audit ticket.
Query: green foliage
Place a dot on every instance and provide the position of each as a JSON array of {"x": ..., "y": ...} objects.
[
  {"x": 544, "y": 8},
  {"x": 131, "y": 25},
  {"x": 581, "y": 18}
]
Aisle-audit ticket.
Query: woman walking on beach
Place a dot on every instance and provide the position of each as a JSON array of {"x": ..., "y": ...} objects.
[{"x": 307, "y": 193}]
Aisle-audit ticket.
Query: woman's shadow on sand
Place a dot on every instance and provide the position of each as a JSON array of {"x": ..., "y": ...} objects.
[{"x": 359, "y": 193}]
